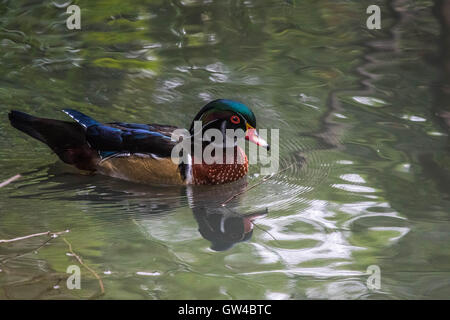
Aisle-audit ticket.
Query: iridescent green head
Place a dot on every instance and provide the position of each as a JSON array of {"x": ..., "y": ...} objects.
[
  {"x": 236, "y": 114},
  {"x": 225, "y": 114}
]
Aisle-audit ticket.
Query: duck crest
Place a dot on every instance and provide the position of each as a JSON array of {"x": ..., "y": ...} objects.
[{"x": 219, "y": 173}]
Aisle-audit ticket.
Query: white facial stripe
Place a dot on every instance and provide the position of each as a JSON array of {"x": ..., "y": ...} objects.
[{"x": 188, "y": 172}]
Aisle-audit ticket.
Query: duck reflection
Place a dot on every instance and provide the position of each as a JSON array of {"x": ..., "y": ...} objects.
[
  {"x": 222, "y": 226},
  {"x": 219, "y": 224}
]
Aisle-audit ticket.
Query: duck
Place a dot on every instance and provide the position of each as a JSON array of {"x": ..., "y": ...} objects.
[{"x": 142, "y": 153}]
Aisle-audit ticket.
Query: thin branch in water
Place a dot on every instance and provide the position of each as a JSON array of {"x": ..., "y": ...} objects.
[
  {"x": 48, "y": 233},
  {"x": 255, "y": 185},
  {"x": 52, "y": 235},
  {"x": 100, "y": 282},
  {"x": 8, "y": 181},
  {"x": 264, "y": 230},
  {"x": 25, "y": 253}
]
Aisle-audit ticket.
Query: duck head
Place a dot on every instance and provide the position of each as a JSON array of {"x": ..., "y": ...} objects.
[{"x": 223, "y": 114}]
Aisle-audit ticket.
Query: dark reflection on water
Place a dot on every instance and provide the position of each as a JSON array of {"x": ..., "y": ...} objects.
[
  {"x": 218, "y": 220},
  {"x": 363, "y": 114},
  {"x": 222, "y": 225}
]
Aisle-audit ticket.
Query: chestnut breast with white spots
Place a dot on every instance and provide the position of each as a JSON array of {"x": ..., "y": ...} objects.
[{"x": 217, "y": 173}]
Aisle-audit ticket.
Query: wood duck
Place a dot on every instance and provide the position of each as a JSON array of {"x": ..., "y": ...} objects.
[{"x": 142, "y": 152}]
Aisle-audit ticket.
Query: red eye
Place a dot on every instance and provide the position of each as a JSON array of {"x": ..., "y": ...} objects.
[{"x": 235, "y": 119}]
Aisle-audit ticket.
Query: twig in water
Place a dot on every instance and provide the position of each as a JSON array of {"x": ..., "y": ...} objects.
[
  {"x": 100, "y": 282},
  {"x": 48, "y": 233},
  {"x": 255, "y": 185},
  {"x": 8, "y": 181},
  {"x": 264, "y": 230},
  {"x": 52, "y": 235}
]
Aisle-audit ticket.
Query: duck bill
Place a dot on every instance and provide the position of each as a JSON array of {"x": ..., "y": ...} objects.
[{"x": 252, "y": 135}]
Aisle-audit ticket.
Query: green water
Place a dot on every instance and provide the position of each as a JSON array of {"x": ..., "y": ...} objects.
[{"x": 363, "y": 118}]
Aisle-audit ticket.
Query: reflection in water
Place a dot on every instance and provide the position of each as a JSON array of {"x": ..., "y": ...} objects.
[
  {"x": 442, "y": 88},
  {"x": 222, "y": 225}
]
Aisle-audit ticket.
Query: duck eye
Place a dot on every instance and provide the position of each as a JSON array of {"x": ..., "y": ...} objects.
[{"x": 235, "y": 119}]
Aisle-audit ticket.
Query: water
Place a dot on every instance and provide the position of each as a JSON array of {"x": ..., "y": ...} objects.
[{"x": 363, "y": 118}]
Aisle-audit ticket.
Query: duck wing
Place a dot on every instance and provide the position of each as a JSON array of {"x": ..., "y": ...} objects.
[{"x": 120, "y": 137}]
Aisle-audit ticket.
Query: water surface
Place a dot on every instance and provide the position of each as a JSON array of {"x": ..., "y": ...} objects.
[{"x": 363, "y": 118}]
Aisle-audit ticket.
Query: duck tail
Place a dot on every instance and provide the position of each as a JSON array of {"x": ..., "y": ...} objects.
[
  {"x": 24, "y": 122},
  {"x": 66, "y": 139}
]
